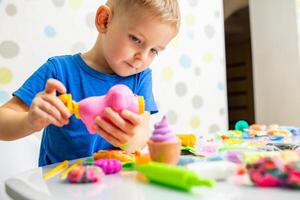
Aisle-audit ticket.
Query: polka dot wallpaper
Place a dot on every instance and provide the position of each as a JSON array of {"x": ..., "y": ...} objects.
[{"x": 189, "y": 77}]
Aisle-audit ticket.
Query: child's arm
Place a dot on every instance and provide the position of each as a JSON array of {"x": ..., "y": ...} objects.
[
  {"x": 18, "y": 120},
  {"x": 13, "y": 120},
  {"x": 128, "y": 128}
]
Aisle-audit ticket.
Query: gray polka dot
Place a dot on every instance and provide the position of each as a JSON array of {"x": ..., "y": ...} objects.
[
  {"x": 78, "y": 47},
  {"x": 214, "y": 128},
  {"x": 209, "y": 31},
  {"x": 9, "y": 49},
  {"x": 11, "y": 10},
  {"x": 90, "y": 20},
  {"x": 172, "y": 117},
  {"x": 58, "y": 3},
  {"x": 197, "y": 71},
  {"x": 197, "y": 102},
  {"x": 181, "y": 89},
  {"x": 222, "y": 111}
]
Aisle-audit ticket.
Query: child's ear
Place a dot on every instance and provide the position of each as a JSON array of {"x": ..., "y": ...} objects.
[{"x": 103, "y": 17}]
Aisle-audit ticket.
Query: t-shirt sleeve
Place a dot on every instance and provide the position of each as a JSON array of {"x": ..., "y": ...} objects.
[
  {"x": 145, "y": 90},
  {"x": 35, "y": 83}
]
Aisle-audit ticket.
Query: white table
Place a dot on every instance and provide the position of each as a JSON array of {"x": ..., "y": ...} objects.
[{"x": 31, "y": 185}]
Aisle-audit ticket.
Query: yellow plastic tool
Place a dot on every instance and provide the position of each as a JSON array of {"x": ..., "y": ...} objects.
[
  {"x": 65, "y": 173},
  {"x": 71, "y": 105},
  {"x": 141, "y": 103},
  {"x": 56, "y": 170},
  {"x": 187, "y": 139}
]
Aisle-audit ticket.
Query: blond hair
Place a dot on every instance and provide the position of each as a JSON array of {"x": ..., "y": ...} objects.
[{"x": 165, "y": 10}]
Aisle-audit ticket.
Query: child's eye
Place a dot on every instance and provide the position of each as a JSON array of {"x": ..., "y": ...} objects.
[
  {"x": 135, "y": 39},
  {"x": 154, "y": 51}
]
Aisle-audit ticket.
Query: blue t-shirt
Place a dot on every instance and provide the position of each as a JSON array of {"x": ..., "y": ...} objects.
[{"x": 73, "y": 140}]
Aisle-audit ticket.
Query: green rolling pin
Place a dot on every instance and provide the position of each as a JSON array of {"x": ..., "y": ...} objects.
[{"x": 172, "y": 176}]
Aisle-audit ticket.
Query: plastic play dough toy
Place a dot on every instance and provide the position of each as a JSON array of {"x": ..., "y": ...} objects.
[
  {"x": 164, "y": 145},
  {"x": 172, "y": 176},
  {"x": 187, "y": 139},
  {"x": 119, "y": 97},
  {"x": 120, "y": 155}
]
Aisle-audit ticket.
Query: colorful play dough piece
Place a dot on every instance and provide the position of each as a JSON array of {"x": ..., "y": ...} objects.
[
  {"x": 85, "y": 174},
  {"x": 65, "y": 173},
  {"x": 120, "y": 155},
  {"x": 109, "y": 165},
  {"x": 241, "y": 125},
  {"x": 266, "y": 172},
  {"x": 293, "y": 170},
  {"x": 273, "y": 171}
]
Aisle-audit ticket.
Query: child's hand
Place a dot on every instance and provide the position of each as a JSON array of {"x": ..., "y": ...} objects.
[
  {"x": 47, "y": 108},
  {"x": 125, "y": 127}
]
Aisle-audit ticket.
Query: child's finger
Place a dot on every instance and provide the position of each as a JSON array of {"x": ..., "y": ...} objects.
[
  {"x": 112, "y": 130},
  {"x": 134, "y": 118},
  {"x": 116, "y": 119},
  {"x": 111, "y": 139},
  {"x": 52, "y": 111},
  {"x": 48, "y": 119},
  {"x": 58, "y": 104},
  {"x": 54, "y": 85}
]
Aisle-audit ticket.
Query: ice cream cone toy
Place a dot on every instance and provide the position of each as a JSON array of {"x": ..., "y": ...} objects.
[
  {"x": 119, "y": 98},
  {"x": 164, "y": 145}
]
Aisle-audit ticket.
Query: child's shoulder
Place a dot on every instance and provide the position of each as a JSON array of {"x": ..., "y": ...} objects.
[
  {"x": 64, "y": 62},
  {"x": 60, "y": 67},
  {"x": 63, "y": 58}
]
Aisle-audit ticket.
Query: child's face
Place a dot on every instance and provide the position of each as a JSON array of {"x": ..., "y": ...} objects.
[{"x": 132, "y": 42}]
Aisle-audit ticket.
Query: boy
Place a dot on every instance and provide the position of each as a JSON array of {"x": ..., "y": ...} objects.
[{"x": 131, "y": 33}]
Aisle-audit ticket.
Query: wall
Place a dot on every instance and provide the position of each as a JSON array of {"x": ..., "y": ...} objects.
[
  {"x": 192, "y": 71},
  {"x": 276, "y": 71},
  {"x": 297, "y": 5},
  {"x": 189, "y": 78}
]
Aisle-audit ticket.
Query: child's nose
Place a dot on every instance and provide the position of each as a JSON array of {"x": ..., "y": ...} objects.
[{"x": 140, "y": 56}]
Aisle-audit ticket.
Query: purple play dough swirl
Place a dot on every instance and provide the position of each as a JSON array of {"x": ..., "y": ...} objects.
[{"x": 162, "y": 132}]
